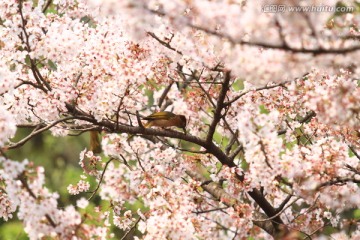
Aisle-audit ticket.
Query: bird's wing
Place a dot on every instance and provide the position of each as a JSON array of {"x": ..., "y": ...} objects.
[{"x": 160, "y": 115}]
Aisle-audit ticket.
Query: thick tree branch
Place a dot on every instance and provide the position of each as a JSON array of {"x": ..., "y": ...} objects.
[
  {"x": 220, "y": 194},
  {"x": 219, "y": 106},
  {"x": 209, "y": 146}
]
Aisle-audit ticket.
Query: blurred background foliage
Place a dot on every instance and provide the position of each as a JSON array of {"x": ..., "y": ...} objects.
[{"x": 60, "y": 158}]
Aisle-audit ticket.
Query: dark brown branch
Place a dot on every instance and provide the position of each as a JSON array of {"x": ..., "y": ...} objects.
[
  {"x": 23, "y": 181},
  {"x": 164, "y": 43},
  {"x": 204, "y": 91},
  {"x": 138, "y": 120},
  {"x": 236, "y": 152},
  {"x": 354, "y": 151},
  {"x": 101, "y": 179},
  {"x": 125, "y": 162},
  {"x": 120, "y": 105},
  {"x": 256, "y": 90},
  {"x": 164, "y": 94},
  {"x": 139, "y": 161},
  {"x": 262, "y": 146},
  {"x": 47, "y": 5},
  {"x": 281, "y": 47},
  {"x": 278, "y": 213},
  {"x": 25, "y": 82},
  {"x": 305, "y": 119},
  {"x": 337, "y": 181},
  {"x": 219, "y": 106},
  {"x": 233, "y": 139},
  {"x": 30, "y": 125},
  {"x": 209, "y": 146},
  {"x": 352, "y": 169},
  {"x": 281, "y": 31},
  {"x": 36, "y": 73},
  {"x": 131, "y": 229},
  {"x": 282, "y": 205},
  {"x": 220, "y": 194},
  {"x": 210, "y": 210}
]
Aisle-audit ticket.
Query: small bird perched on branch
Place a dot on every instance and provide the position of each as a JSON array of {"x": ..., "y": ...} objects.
[{"x": 165, "y": 119}]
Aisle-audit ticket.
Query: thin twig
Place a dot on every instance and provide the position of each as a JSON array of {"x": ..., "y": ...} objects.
[
  {"x": 47, "y": 5},
  {"x": 132, "y": 228},
  {"x": 164, "y": 94},
  {"x": 138, "y": 119},
  {"x": 164, "y": 43},
  {"x": 101, "y": 179},
  {"x": 23, "y": 181},
  {"x": 354, "y": 151},
  {"x": 34, "y": 133},
  {"x": 278, "y": 213}
]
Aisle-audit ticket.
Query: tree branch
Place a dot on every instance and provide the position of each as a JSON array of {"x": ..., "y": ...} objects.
[
  {"x": 220, "y": 194},
  {"x": 219, "y": 107},
  {"x": 23, "y": 181},
  {"x": 36, "y": 132},
  {"x": 101, "y": 179},
  {"x": 337, "y": 181},
  {"x": 282, "y": 47},
  {"x": 209, "y": 146}
]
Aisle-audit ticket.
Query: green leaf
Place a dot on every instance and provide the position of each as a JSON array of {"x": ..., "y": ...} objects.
[
  {"x": 150, "y": 94},
  {"x": 218, "y": 166},
  {"x": 263, "y": 110},
  {"x": 220, "y": 139},
  {"x": 52, "y": 65},
  {"x": 351, "y": 153},
  {"x": 244, "y": 165},
  {"x": 27, "y": 60},
  {"x": 238, "y": 85},
  {"x": 290, "y": 145},
  {"x": 356, "y": 213},
  {"x": 217, "y": 137}
]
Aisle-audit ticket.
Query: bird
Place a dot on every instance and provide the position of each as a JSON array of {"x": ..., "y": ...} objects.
[{"x": 165, "y": 119}]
